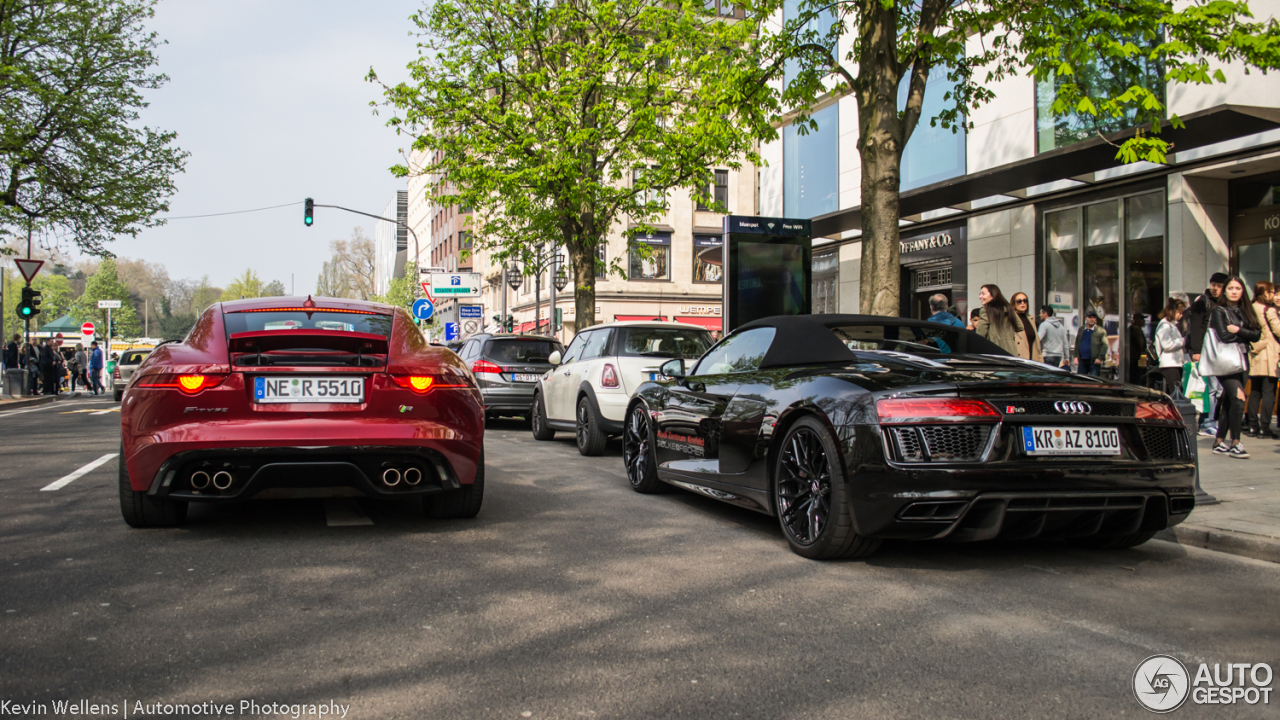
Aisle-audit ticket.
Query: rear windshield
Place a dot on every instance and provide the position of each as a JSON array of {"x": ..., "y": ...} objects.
[
  {"x": 515, "y": 350},
  {"x": 914, "y": 340},
  {"x": 664, "y": 342},
  {"x": 133, "y": 358},
  {"x": 373, "y": 324}
]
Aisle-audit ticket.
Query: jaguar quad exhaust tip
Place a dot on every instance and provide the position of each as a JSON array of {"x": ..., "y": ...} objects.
[
  {"x": 199, "y": 480},
  {"x": 412, "y": 476},
  {"x": 391, "y": 477},
  {"x": 222, "y": 479}
]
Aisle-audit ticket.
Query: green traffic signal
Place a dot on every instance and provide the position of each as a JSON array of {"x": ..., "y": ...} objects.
[
  {"x": 30, "y": 305},
  {"x": 308, "y": 212}
]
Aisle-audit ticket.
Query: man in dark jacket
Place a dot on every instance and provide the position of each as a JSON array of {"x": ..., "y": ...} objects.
[
  {"x": 48, "y": 372},
  {"x": 11, "y": 353},
  {"x": 1197, "y": 319}
]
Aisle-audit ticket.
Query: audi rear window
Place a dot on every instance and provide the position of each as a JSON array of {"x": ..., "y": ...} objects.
[
  {"x": 897, "y": 338},
  {"x": 664, "y": 342},
  {"x": 288, "y": 320},
  {"x": 516, "y": 350}
]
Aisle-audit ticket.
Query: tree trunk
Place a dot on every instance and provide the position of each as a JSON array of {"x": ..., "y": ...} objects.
[
  {"x": 584, "y": 285},
  {"x": 881, "y": 139}
]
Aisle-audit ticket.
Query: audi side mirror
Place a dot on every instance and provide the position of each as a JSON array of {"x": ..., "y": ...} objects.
[
  {"x": 673, "y": 369},
  {"x": 554, "y": 358}
]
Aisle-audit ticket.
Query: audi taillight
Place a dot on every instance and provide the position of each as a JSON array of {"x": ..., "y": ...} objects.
[
  {"x": 1158, "y": 410},
  {"x": 915, "y": 410},
  {"x": 609, "y": 376},
  {"x": 423, "y": 384},
  {"x": 484, "y": 366},
  {"x": 189, "y": 384}
]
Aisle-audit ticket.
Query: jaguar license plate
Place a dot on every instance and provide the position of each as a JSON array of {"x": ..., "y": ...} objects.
[
  {"x": 524, "y": 377},
  {"x": 1041, "y": 440},
  {"x": 308, "y": 389}
]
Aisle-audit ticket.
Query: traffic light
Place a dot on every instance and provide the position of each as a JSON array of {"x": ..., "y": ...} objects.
[
  {"x": 29, "y": 307},
  {"x": 111, "y": 329},
  {"x": 511, "y": 323},
  {"x": 308, "y": 212}
]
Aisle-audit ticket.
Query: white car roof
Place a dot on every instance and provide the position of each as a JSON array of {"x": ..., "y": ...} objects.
[{"x": 647, "y": 324}]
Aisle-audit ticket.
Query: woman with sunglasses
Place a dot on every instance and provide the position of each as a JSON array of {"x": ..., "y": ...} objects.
[
  {"x": 1022, "y": 308},
  {"x": 1000, "y": 323}
]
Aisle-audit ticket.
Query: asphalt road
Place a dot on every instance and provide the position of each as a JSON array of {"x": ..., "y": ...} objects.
[{"x": 571, "y": 596}]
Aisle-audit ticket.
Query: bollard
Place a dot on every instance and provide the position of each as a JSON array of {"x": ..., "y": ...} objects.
[
  {"x": 15, "y": 382},
  {"x": 1188, "y": 412}
]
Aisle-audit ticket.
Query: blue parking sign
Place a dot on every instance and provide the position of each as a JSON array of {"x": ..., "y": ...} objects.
[{"x": 450, "y": 331}]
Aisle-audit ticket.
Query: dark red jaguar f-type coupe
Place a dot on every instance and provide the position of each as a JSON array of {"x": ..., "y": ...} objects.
[{"x": 300, "y": 397}]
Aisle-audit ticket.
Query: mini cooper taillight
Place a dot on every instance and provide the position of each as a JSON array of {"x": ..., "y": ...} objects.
[
  {"x": 423, "y": 384},
  {"x": 931, "y": 410},
  {"x": 188, "y": 384},
  {"x": 1158, "y": 410},
  {"x": 609, "y": 376}
]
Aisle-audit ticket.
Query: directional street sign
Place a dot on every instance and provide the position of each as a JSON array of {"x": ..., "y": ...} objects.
[
  {"x": 113, "y": 304},
  {"x": 455, "y": 285},
  {"x": 450, "y": 331},
  {"x": 87, "y": 328},
  {"x": 467, "y": 312},
  {"x": 423, "y": 309},
  {"x": 28, "y": 268}
]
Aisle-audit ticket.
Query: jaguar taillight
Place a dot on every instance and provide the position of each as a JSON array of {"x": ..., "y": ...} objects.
[
  {"x": 423, "y": 384},
  {"x": 189, "y": 384}
]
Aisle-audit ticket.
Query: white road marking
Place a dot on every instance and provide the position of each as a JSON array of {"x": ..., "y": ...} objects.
[
  {"x": 104, "y": 412},
  {"x": 59, "y": 484},
  {"x": 19, "y": 412},
  {"x": 344, "y": 512}
]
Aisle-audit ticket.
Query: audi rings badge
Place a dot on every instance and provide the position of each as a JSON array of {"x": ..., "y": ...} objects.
[{"x": 1073, "y": 407}]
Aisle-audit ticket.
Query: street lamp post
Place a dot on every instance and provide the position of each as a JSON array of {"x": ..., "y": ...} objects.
[
  {"x": 541, "y": 262},
  {"x": 560, "y": 281},
  {"x": 514, "y": 279}
]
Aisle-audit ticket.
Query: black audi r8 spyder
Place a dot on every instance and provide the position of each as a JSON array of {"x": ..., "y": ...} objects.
[{"x": 851, "y": 429}]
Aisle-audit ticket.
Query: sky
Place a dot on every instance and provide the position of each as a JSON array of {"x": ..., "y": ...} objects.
[{"x": 269, "y": 97}]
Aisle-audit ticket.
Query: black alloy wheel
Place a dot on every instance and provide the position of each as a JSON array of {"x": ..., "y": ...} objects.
[
  {"x": 811, "y": 496},
  {"x": 538, "y": 420},
  {"x": 591, "y": 439},
  {"x": 638, "y": 453}
]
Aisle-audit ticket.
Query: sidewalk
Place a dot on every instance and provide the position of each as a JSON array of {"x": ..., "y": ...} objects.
[{"x": 1247, "y": 520}]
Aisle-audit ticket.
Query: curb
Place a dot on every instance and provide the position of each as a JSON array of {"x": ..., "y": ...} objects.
[
  {"x": 15, "y": 404},
  {"x": 1224, "y": 541}
]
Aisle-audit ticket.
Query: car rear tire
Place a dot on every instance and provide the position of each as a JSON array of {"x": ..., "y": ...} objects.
[
  {"x": 118, "y": 394},
  {"x": 591, "y": 439},
  {"x": 638, "y": 454},
  {"x": 461, "y": 503},
  {"x": 144, "y": 511},
  {"x": 811, "y": 496},
  {"x": 538, "y": 420},
  {"x": 1117, "y": 542}
]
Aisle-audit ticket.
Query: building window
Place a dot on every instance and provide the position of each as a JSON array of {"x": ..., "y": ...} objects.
[
  {"x": 826, "y": 282},
  {"x": 704, "y": 246},
  {"x": 815, "y": 31},
  {"x": 933, "y": 154},
  {"x": 602, "y": 267},
  {"x": 718, "y": 192},
  {"x": 1059, "y": 131},
  {"x": 1108, "y": 258},
  {"x": 464, "y": 240},
  {"x": 656, "y": 266},
  {"x": 724, "y": 8},
  {"x": 650, "y": 195},
  {"x": 811, "y": 167}
]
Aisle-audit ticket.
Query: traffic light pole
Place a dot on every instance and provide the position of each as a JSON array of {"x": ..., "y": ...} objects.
[{"x": 417, "y": 250}]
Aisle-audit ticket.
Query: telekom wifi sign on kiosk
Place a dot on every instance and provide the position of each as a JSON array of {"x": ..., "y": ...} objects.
[{"x": 768, "y": 268}]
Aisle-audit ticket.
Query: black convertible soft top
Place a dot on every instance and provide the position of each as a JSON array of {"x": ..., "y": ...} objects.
[{"x": 808, "y": 340}]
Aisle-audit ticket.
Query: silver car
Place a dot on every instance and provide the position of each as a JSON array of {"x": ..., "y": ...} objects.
[
  {"x": 128, "y": 362},
  {"x": 507, "y": 368}
]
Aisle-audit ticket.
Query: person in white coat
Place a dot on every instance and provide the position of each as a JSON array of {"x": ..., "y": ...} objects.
[{"x": 1169, "y": 344}]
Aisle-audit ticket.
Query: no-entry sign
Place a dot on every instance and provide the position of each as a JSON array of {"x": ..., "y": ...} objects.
[{"x": 87, "y": 328}]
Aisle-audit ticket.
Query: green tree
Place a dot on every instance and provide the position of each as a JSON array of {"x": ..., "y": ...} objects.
[
  {"x": 1077, "y": 45},
  {"x": 536, "y": 113},
  {"x": 249, "y": 285},
  {"x": 73, "y": 156},
  {"x": 105, "y": 285},
  {"x": 401, "y": 292},
  {"x": 174, "y": 326}
]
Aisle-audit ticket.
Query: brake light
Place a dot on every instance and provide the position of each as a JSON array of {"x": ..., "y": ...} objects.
[
  {"x": 484, "y": 366},
  {"x": 188, "y": 384},
  {"x": 115, "y": 374},
  {"x": 423, "y": 384},
  {"x": 909, "y": 410},
  {"x": 609, "y": 377},
  {"x": 1158, "y": 410}
]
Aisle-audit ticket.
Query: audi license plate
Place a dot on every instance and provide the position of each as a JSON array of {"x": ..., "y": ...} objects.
[
  {"x": 524, "y": 377},
  {"x": 1071, "y": 440},
  {"x": 308, "y": 389}
]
